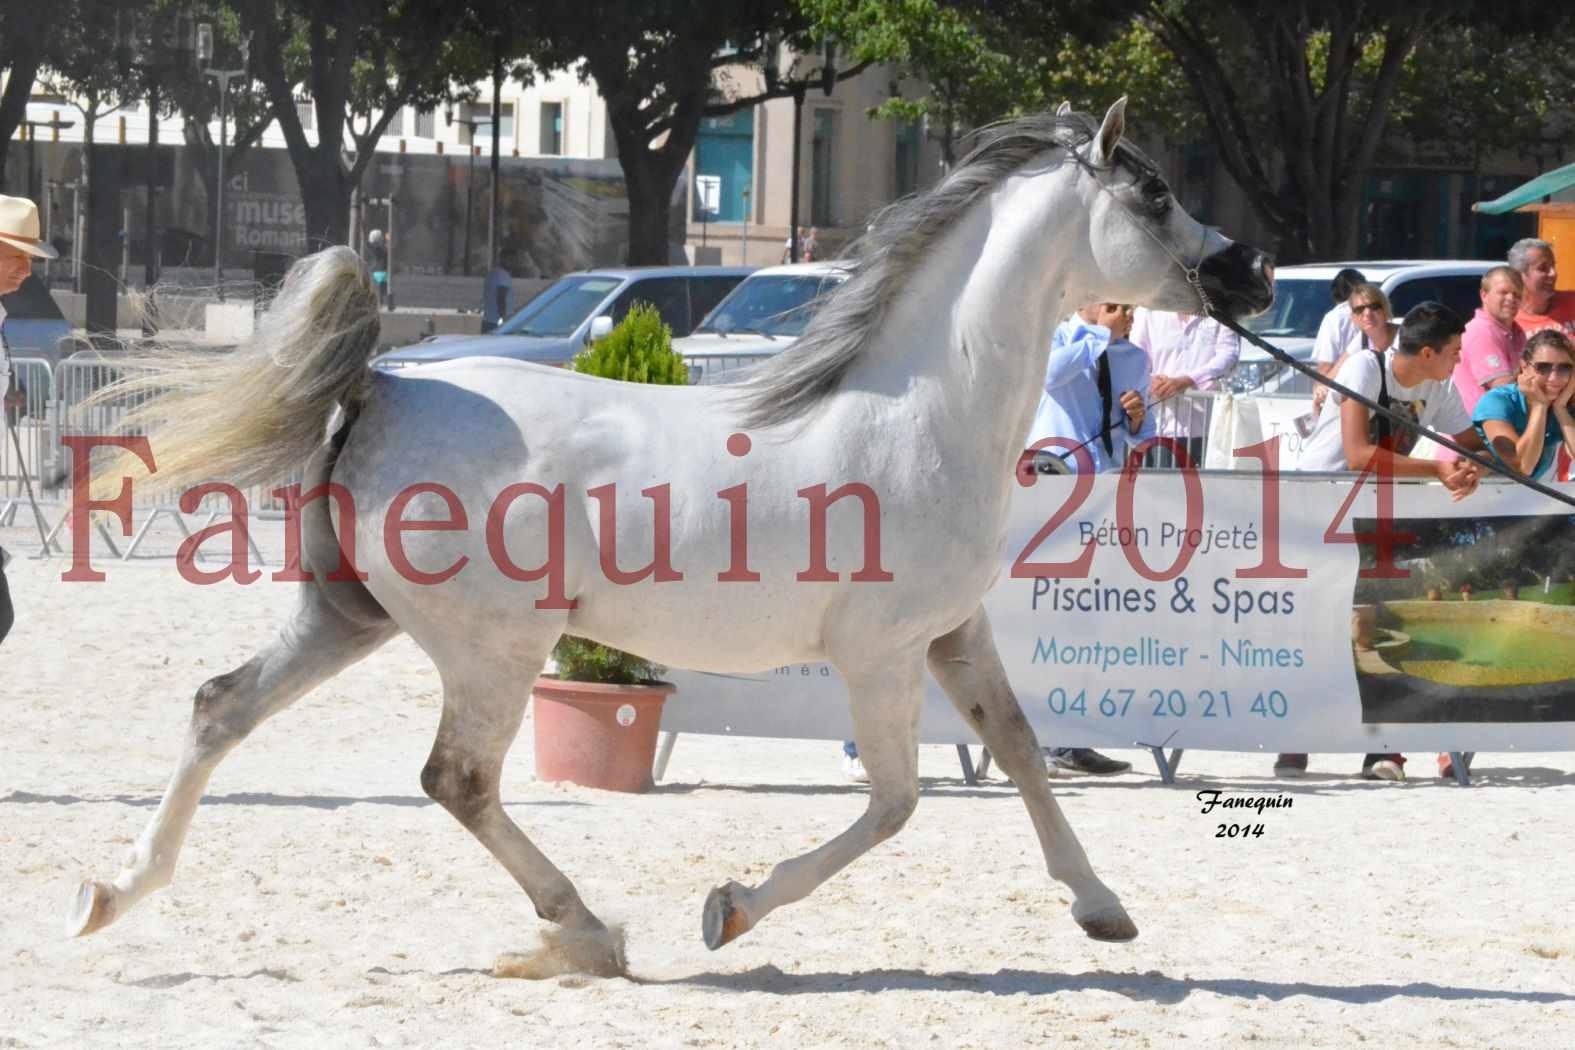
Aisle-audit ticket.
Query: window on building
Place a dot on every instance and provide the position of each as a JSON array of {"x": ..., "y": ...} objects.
[
  {"x": 483, "y": 111},
  {"x": 306, "y": 110},
  {"x": 426, "y": 124},
  {"x": 820, "y": 197},
  {"x": 551, "y": 129},
  {"x": 907, "y": 158}
]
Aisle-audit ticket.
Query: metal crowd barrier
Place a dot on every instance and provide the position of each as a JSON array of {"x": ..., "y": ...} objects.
[
  {"x": 29, "y": 409},
  {"x": 50, "y": 404},
  {"x": 708, "y": 369}
]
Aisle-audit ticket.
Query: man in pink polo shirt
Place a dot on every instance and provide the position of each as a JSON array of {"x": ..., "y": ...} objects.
[{"x": 1490, "y": 348}]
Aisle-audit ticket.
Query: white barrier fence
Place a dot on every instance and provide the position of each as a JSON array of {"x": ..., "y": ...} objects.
[
  {"x": 50, "y": 404},
  {"x": 1196, "y": 621},
  {"x": 28, "y": 410}
]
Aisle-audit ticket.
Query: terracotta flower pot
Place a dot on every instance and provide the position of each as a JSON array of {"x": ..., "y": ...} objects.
[{"x": 599, "y": 736}]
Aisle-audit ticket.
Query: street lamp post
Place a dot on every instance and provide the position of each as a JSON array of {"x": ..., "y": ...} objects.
[
  {"x": 798, "y": 141},
  {"x": 223, "y": 76},
  {"x": 470, "y": 176},
  {"x": 743, "y": 259},
  {"x": 153, "y": 51}
]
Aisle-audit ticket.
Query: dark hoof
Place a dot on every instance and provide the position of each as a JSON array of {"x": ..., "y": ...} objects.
[
  {"x": 722, "y": 921},
  {"x": 1110, "y": 926}
]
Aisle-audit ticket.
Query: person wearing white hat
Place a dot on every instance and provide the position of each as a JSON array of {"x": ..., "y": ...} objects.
[{"x": 20, "y": 244}]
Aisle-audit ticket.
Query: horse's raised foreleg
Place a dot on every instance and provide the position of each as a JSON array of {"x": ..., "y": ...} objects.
[
  {"x": 481, "y": 714},
  {"x": 318, "y": 642},
  {"x": 885, "y": 701},
  {"x": 966, "y": 664}
]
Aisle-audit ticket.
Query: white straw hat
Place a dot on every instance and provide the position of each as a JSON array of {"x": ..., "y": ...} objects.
[{"x": 19, "y": 227}]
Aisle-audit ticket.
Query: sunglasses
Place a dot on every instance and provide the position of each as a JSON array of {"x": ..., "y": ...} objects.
[
  {"x": 1362, "y": 309},
  {"x": 1547, "y": 368}
]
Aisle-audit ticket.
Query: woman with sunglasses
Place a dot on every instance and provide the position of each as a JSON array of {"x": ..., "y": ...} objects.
[
  {"x": 1374, "y": 330},
  {"x": 1524, "y": 422}
]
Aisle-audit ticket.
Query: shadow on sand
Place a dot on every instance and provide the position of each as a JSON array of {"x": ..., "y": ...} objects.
[
  {"x": 1151, "y": 987},
  {"x": 252, "y": 798}
]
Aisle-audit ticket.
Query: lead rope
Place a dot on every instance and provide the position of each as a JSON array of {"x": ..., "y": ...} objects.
[
  {"x": 1194, "y": 278},
  {"x": 1400, "y": 418}
]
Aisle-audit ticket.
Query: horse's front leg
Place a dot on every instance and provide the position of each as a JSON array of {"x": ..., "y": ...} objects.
[
  {"x": 886, "y": 698},
  {"x": 966, "y": 664}
]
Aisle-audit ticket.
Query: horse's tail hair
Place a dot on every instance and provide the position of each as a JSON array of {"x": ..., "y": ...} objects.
[{"x": 254, "y": 413}]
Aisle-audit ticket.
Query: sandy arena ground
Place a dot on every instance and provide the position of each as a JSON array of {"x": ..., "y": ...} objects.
[{"x": 322, "y": 899}]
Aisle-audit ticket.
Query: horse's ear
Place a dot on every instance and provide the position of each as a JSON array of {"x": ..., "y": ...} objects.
[
  {"x": 1064, "y": 108},
  {"x": 1110, "y": 133}
]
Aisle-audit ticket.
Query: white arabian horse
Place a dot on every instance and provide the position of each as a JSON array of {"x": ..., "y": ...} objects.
[{"x": 915, "y": 385}]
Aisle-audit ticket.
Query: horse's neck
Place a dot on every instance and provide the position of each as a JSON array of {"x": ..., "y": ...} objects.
[{"x": 971, "y": 332}]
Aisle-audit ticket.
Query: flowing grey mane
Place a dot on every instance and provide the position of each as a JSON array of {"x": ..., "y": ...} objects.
[{"x": 789, "y": 385}]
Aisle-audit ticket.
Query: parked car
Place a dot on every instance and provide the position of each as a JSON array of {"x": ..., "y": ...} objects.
[
  {"x": 762, "y": 316},
  {"x": 579, "y": 308},
  {"x": 1301, "y": 298}
]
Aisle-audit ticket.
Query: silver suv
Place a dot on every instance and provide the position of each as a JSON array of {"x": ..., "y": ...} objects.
[
  {"x": 580, "y": 308},
  {"x": 1301, "y": 298}
]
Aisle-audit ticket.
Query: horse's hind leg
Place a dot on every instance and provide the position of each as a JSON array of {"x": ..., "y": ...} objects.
[
  {"x": 966, "y": 664},
  {"x": 318, "y": 642},
  {"x": 482, "y": 710},
  {"x": 885, "y": 699}
]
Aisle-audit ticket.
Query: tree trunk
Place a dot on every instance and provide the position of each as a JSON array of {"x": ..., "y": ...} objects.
[
  {"x": 649, "y": 177},
  {"x": 326, "y": 192},
  {"x": 650, "y": 212},
  {"x": 13, "y": 104}
]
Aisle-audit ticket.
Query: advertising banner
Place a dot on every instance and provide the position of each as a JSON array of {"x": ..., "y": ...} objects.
[{"x": 1209, "y": 610}]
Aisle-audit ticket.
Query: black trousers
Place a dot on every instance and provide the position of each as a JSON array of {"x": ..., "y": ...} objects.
[{"x": 7, "y": 614}]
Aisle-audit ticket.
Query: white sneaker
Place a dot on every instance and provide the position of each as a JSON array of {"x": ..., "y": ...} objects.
[
  {"x": 1385, "y": 770},
  {"x": 853, "y": 769}
]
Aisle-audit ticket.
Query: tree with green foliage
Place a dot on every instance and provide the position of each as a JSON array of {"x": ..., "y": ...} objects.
[
  {"x": 361, "y": 62},
  {"x": 664, "y": 65},
  {"x": 960, "y": 65},
  {"x": 638, "y": 350},
  {"x": 23, "y": 51},
  {"x": 1297, "y": 98},
  {"x": 1497, "y": 91}
]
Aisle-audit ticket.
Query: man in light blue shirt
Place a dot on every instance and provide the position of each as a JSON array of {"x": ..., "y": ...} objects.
[
  {"x": 1093, "y": 397},
  {"x": 1094, "y": 386}
]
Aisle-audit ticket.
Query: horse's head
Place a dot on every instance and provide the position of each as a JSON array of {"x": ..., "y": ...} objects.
[{"x": 1145, "y": 248}]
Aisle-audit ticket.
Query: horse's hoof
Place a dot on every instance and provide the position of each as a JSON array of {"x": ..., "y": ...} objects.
[
  {"x": 598, "y": 952},
  {"x": 93, "y": 909},
  {"x": 723, "y": 920},
  {"x": 1109, "y": 925}
]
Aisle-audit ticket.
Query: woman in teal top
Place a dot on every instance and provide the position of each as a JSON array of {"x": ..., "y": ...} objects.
[{"x": 1524, "y": 422}]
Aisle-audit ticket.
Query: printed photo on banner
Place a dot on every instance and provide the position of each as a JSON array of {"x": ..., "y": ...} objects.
[{"x": 1481, "y": 628}]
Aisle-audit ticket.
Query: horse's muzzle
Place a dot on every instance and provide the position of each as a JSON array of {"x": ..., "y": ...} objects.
[{"x": 1239, "y": 280}]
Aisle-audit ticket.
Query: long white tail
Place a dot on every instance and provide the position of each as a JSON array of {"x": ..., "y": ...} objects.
[{"x": 252, "y": 414}]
